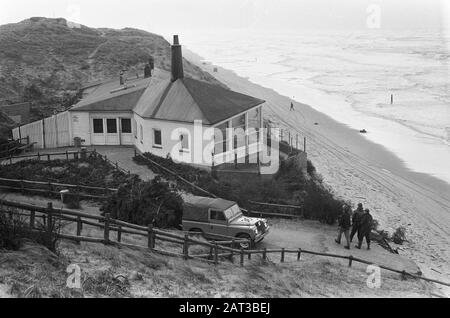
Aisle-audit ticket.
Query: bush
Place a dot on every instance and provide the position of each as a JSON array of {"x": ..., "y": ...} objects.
[
  {"x": 14, "y": 231},
  {"x": 310, "y": 168},
  {"x": 145, "y": 203},
  {"x": 73, "y": 202}
]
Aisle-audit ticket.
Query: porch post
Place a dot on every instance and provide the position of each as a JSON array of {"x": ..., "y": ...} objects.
[{"x": 247, "y": 148}]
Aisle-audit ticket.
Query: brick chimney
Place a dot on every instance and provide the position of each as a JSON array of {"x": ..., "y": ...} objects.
[{"x": 177, "y": 60}]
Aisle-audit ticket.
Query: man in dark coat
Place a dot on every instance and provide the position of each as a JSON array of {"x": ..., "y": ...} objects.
[
  {"x": 344, "y": 226},
  {"x": 365, "y": 228},
  {"x": 355, "y": 220}
]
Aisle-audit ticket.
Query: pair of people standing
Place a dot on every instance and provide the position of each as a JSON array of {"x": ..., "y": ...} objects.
[{"x": 360, "y": 224}]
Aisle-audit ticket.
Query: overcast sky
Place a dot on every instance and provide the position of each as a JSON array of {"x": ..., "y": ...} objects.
[{"x": 166, "y": 16}]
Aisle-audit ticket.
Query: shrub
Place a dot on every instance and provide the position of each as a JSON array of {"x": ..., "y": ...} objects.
[
  {"x": 310, "y": 168},
  {"x": 73, "y": 202},
  {"x": 145, "y": 203},
  {"x": 14, "y": 230}
]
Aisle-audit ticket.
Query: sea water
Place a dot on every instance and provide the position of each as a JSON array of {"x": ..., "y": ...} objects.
[{"x": 350, "y": 76}]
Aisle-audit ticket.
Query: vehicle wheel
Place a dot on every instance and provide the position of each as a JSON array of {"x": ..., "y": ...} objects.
[
  {"x": 245, "y": 246},
  {"x": 197, "y": 233}
]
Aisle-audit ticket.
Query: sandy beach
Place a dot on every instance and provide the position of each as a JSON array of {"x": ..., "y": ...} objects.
[{"x": 362, "y": 171}]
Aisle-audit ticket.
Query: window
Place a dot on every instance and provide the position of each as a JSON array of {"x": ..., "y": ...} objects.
[
  {"x": 184, "y": 139},
  {"x": 217, "y": 215},
  {"x": 141, "y": 133},
  {"x": 157, "y": 138},
  {"x": 126, "y": 126},
  {"x": 98, "y": 126},
  {"x": 111, "y": 126}
]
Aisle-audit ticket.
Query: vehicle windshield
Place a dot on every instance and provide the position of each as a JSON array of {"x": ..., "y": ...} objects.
[{"x": 233, "y": 212}]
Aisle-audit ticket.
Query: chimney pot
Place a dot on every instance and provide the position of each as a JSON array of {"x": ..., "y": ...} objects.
[{"x": 176, "y": 40}]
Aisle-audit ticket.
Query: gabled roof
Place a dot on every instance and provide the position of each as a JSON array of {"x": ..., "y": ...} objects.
[
  {"x": 184, "y": 100},
  {"x": 111, "y": 96}
]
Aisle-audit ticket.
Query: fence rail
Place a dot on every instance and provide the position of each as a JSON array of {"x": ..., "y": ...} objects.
[
  {"x": 48, "y": 156},
  {"x": 216, "y": 251},
  {"x": 51, "y": 188},
  {"x": 9, "y": 148}
]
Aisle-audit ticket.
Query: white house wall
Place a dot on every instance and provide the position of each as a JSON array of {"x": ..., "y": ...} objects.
[
  {"x": 170, "y": 142},
  {"x": 81, "y": 126}
]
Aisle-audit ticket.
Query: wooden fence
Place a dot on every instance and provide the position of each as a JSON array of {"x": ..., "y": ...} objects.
[
  {"x": 51, "y": 132},
  {"x": 65, "y": 155},
  {"x": 217, "y": 250},
  {"x": 53, "y": 189},
  {"x": 10, "y": 148}
]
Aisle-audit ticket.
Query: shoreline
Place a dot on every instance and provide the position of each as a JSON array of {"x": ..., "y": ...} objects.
[{"x": 360, "y": 170}]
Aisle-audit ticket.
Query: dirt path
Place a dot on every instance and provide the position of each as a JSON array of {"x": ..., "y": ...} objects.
[{"x": 361, "y": 171}]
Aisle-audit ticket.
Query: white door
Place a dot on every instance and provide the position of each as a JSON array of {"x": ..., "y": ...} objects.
[
  {"x": 98, "y": 131},
  {"x": 126, "y": 131},
  {"x": 112, "y": 131}
]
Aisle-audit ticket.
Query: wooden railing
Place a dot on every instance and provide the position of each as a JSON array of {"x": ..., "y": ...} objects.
[
  {"x": 10, "y": 148},
  {"x": 217, "y": 250},
  {"x": 252, "y": 212},
  {"x": 52, "y": 189},
  {"x": 67, "y": 155}
]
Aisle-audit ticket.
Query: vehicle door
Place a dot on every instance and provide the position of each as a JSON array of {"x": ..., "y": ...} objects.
[{"x": 218, "y": 225}]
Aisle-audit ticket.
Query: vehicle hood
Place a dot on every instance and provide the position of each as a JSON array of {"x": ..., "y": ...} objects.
[{"x": 246, "y": 221}]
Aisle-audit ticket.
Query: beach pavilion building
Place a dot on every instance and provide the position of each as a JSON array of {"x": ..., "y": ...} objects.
[{"x": 164, "y": 113}]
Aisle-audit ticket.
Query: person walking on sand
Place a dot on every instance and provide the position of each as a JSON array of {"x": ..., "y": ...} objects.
[
  {"x": 292, "y": 106},
  {"x": 355, "y": 220},
  {"x": 344, "y": 226},
  {"x": 365, "y": 228}
]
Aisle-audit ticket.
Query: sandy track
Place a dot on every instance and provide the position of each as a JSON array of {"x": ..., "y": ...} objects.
[{"x": 362, "y": 171}]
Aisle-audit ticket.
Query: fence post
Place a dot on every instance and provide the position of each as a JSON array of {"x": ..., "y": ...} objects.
[
  {"x": 32, "y": 218},
  {"x": 67, "y": 155},
  {"x": 50, "y": 217},
  {"x": 151, "y": 241},
  {"x": 10, "y": 159},
  {"x": 48, "y": 157},
  {"x": 186, "y": 247},
  {"x": 50, "y": 189},
  {"x": 299, "y": 254},
  {"x": 249, "y": 255},
  {"x": 79, "y": 228},
  {"x": 282, "y": 255},
  {"x": 107, "y": 221},
  {"x": 265, "y": 254},
  {"x": 119, "y": 234},
  {"x": 39, "y": 156},
  {"x": 216, "y": 254},
  {"x": 242, "y": 256},
  {"x": 350, "y": 261}
]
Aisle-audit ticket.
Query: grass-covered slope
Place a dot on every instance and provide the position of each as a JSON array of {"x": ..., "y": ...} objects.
[{"x": 47, "y": 60}]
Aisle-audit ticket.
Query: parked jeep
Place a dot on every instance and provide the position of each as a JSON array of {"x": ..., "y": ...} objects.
[{"x": 219, "y": 219}]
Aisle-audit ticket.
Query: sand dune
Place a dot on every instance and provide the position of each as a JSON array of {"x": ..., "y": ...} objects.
[{"x": 361, "y": 171}]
